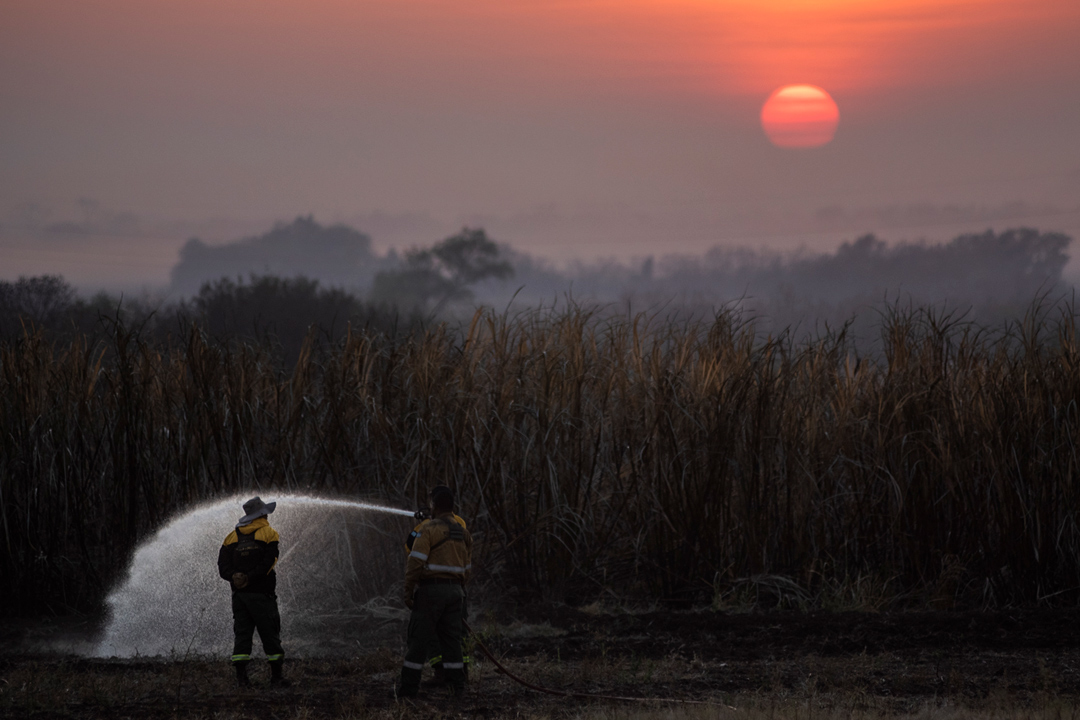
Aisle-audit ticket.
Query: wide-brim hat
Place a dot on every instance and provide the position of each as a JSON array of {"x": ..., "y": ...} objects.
[{"x": 255, "y": 508}]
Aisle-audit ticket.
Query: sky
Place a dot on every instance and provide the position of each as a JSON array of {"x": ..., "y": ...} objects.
[{"x": 568, "y": 128}]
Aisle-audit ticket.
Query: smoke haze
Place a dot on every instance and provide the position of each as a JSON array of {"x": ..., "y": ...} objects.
[{"x": 574, "y": 132}]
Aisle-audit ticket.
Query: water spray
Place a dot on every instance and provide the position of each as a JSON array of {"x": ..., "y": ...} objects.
[
  {"x": 173, "y": 599},
  {"x": 325, "y": 502}
]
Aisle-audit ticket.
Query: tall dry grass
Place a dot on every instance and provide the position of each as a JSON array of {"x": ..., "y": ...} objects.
[{"x": 593, "y": 455}]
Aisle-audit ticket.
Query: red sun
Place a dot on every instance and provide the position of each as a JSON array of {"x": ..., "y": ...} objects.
[{"x": 800, "y": 116}]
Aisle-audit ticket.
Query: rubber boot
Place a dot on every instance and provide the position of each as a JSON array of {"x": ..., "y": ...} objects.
[
  {"x": 409, "y": 687},
  {"x": 276, "y": 678},
  {"x": 455, "y": 678},
  {"x": 242, "y": 678}
]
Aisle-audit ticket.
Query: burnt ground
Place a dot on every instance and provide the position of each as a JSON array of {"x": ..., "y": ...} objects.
[{"x": 881, "y": 663}]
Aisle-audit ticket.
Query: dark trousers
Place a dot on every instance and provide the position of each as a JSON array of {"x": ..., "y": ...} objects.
[
  {"x": 251, "y": 612},
  {"x": 436, "y": 620}
]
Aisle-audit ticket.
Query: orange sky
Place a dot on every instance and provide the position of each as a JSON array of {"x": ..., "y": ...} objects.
[
  {"x": 263, "y": 108},
  {"x": 546, "y": 46},
  {"x": 861, "y": 45}
]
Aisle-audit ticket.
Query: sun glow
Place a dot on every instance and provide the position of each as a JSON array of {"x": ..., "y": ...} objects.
[{"x": 800, "y": 116}]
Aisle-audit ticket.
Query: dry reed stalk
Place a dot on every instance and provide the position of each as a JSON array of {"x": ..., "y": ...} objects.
[{"x": 593, "y": 454}]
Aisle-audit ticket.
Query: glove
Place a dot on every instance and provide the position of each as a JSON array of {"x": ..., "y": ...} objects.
[
  {"x": 409, "y": 603},
  {"x": 239, "y": 580}
]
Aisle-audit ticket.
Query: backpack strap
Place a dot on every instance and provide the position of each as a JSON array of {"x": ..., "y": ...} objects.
[
  {"x": 247, "y": 549},
  {"x": 454, "y": 532}
]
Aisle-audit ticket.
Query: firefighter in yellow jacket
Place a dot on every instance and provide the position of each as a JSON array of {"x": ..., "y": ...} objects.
[
  {"x": 246, "y": 560},
  {"x": 436, "y": 571},
  {"x": 435, "y": 659}
]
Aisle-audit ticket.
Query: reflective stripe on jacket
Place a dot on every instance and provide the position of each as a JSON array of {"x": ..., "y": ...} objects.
[{"x": 416, "y": 532}]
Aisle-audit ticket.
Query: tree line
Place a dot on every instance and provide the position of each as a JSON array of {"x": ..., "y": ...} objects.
[
  {"x": 282, "y": 312},
  {"x": 994, "y": 274}
]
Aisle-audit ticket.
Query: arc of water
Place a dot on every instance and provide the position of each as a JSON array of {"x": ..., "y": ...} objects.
[{"x": 174, "y": 571}]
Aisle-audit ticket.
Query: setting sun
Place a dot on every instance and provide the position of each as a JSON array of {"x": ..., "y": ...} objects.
[{"x": 800, "y": 116}]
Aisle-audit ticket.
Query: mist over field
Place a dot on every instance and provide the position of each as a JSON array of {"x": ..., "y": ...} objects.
[{"x": 985, "y": 276}]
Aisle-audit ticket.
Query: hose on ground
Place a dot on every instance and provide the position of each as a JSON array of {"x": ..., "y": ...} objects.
[{"x": 580, "y": 695}]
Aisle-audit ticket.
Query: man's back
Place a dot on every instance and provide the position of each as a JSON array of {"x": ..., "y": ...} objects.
[
  {"x": 251, "y": 549},
  {"x": 443, "y": 550}
]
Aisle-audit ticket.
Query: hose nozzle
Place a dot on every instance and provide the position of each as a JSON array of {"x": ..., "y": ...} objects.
[{"x": 421, "y": 515}]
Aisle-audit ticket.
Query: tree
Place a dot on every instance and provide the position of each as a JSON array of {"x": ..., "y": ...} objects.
[
  {"x": 42, "y": 301},
  {"x": 283, "y": 311},
  {"x": 337, "y": 255},
  {"x": 442, "y": 274},
  {"x": 269, "y": 307}
]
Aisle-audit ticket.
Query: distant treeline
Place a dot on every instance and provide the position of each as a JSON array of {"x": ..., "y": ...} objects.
[
  {"x": 992, "y": 275},
  {"x": 337, "y": 255},
  {"x": 595, "y": 455},
  {"x": 423, "y": 280},
  {"x": 989, "y": 278},
  {"x": 278, "y": 314}
]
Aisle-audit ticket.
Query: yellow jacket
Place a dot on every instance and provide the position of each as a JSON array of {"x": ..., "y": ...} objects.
[
  {"x": 258, "y": 562},
  {"x": 416, "y": 532},
  {"x": 442, "y": 550}
]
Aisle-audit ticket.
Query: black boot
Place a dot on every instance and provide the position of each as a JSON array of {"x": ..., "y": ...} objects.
[
  {"x": 409, "y": 687},
  {"x": 276, "y": 678},
  {"x": 455, "y": 678},
  {"x": 242, "y": 678}
]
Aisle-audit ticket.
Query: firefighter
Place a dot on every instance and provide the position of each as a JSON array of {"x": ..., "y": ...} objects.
[
  {"x": 436, "y": 572},
  {"x": 246, "y": 560},
  {"x": 434, "y": 655}
]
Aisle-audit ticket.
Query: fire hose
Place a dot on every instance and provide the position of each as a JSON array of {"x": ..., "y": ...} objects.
[
  {"x": 565, "y": 693},
  {"x": 424, "y": 515}
]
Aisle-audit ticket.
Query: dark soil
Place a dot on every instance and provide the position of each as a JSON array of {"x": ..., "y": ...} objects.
[{"x": 884, "y": 663}]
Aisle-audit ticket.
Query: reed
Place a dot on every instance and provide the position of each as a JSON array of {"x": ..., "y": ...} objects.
[{"x": 693, "y": 461}]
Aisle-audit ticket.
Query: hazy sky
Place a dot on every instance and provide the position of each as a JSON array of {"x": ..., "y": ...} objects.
[{"x": 569, "y": 128}]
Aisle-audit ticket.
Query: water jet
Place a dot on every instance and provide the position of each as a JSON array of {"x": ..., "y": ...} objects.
[{"x": 337, "y": 572}]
